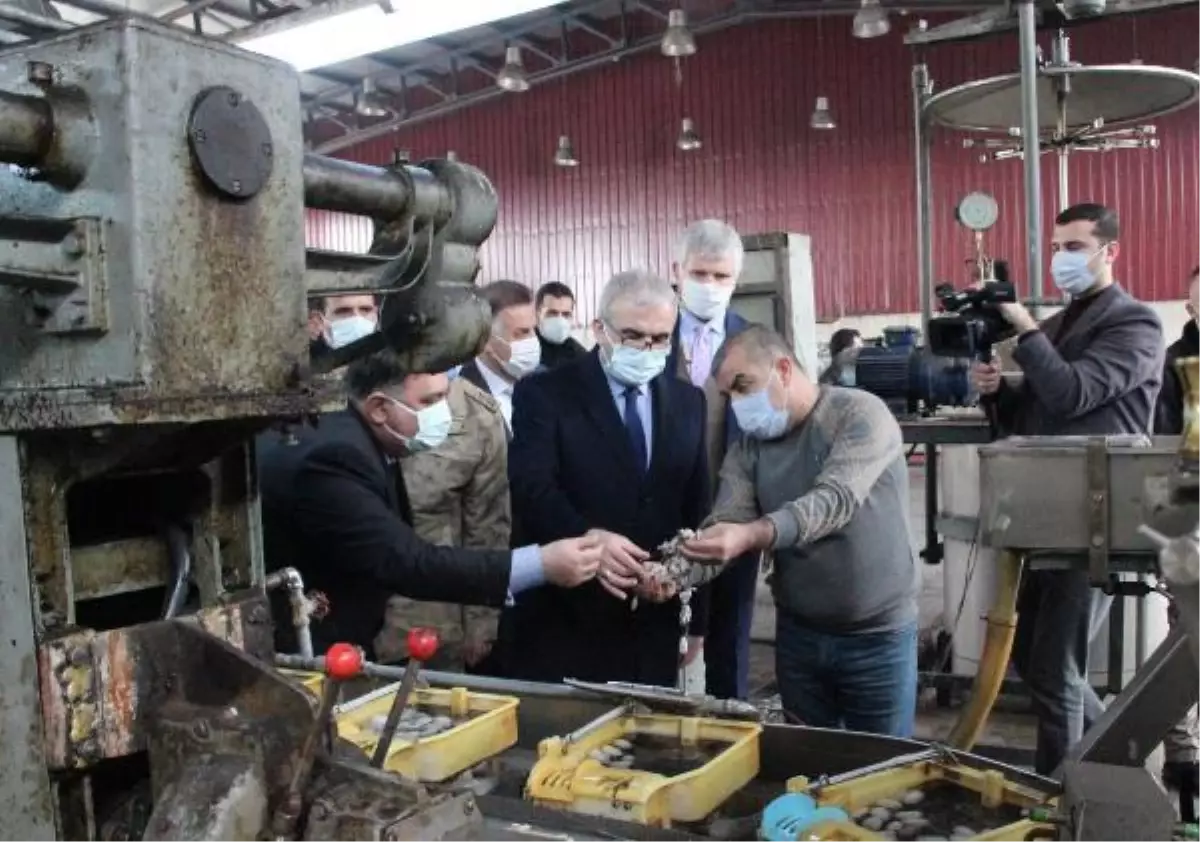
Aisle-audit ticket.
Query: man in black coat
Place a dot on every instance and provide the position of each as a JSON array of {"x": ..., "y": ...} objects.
[
  {"x": 1168, "y": 417},
  {"x": 555, "y": 319},
  {"x": 1092, "y": 369},
  {"x": 335, "y": 507},
  {"x": 611, "y": 445}
]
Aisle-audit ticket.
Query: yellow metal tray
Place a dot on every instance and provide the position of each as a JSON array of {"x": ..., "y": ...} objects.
[
  {"x": 568, "y": 777},
  {"x": 485, "y": 726},
  {"x": 990, "y": 789}
]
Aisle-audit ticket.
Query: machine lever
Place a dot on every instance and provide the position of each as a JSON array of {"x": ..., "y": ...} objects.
[
  {"x": 342, "y": 662},
  {"x": 422, "y": 646}
]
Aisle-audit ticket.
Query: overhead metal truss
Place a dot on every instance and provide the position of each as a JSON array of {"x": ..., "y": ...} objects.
[
  {"x": 568, "y": 39},
  {"x": 22, "y": 19}
]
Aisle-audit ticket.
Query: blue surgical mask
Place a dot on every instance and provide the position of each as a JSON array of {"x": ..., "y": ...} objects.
[
  {"x": 633, "y": 366},
  {"x": 757, "y": 416},
  {"x": 1072, "y": 271},
  {"x": 349, "y": 329},
  {"x": 433, "y": 426}
]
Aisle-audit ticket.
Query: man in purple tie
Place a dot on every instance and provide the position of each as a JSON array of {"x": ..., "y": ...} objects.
[{"x": 708, "y": 261}]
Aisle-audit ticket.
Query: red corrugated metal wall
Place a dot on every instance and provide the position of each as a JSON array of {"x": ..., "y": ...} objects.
[{"x": 751, "y": 91}]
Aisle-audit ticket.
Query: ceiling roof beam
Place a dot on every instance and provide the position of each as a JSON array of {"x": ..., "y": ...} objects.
[{"x": 600, "y": 58}]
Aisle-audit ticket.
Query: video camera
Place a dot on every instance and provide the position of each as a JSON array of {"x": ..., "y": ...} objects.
[{"x": 973, "y": 323}]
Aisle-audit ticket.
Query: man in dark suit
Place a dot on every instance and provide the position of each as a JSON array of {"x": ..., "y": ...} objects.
[
  {"x": 1092, "y": 369},
  {"x": 335, "y": 507},
  {"x": 512, "y": 351},
  {"x": 556, "y": 317},
  {"x": 611, "y": 446},
  {"x": 707, "y": 265}
]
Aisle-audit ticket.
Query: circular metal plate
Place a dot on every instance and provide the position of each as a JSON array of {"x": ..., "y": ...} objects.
[
  {"x": 1119, "y": 94},
  {"x": 231, "y": 142}
]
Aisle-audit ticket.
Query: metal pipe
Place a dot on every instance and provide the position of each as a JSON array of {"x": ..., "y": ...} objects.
[
  {"x": 922, "y": 86},
  {"x": 26, "y": 129},
  {"x": 1030, "y": 135},
  {"x": 302, "y": 607},
  {"x": 41, "y": 23},
  {"x": 347, "y": 187},
  {"x": 1062, "y": 90}
]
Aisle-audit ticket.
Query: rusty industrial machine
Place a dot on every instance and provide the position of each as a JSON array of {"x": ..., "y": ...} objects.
[
  {"x": 153, "y": 286},
  {"x": 154, "y": 283}
]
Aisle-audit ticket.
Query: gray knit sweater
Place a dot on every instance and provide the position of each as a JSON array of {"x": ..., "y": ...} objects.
[{"x": 836, "y": 489}]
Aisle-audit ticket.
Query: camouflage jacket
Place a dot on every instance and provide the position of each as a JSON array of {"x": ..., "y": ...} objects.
[{"x": 459, "y": 497}]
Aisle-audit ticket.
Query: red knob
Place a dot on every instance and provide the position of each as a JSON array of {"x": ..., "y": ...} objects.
[
  {"x": 343, "y": 661},
  {"x": 422, "y": 644}
]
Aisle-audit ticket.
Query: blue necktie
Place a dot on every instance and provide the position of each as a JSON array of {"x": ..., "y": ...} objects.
[{"x": 633, "y": 426}]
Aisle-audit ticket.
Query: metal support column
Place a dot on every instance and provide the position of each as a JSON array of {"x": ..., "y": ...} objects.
[
  {"x": 922, "y": 87},
  {"x": 1030, "y": 133},
  {"x": 26, "y": 801}
]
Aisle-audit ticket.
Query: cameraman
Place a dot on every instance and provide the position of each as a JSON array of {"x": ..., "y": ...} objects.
[{"x": 1092, "y": 369}]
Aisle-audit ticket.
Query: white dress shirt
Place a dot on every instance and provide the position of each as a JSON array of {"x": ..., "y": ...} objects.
[{"x": 501, "y": 389}]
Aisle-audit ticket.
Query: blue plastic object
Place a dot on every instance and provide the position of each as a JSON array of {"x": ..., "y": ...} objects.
[{"x": 787, "y": 817}]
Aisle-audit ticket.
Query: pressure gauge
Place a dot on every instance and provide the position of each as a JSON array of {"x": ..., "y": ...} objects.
[{"x": 977, "y": 211}]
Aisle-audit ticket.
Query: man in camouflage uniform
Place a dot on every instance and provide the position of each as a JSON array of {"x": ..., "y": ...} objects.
[{"x": 459, "y": 497}]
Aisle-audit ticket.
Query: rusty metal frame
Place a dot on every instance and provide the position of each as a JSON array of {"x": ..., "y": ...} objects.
[{"x": 26, "y": 799}]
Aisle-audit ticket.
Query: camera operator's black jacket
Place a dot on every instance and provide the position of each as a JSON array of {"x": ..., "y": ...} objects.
[
  {"x": 1094, "y": 368},
  {"x": 1168, "y": 420}
]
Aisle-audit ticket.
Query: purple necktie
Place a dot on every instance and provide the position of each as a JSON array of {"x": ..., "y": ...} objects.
[{"x": 701, "y": 357}]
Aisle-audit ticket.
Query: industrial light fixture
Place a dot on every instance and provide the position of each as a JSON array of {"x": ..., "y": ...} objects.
[
  {"x": 871, "y": 21},
  {"x": 689, "y": 140},
  {"x": 564, "y": 155},
  {"x": 677, "y": 41},
  {"x": 1083, "y": 8},
  {"x": 512, "y": 76},
  {"x": 369, "y": 103},
  {"x": 821, "y": 116},
  {"x": 313, "y": 37}
]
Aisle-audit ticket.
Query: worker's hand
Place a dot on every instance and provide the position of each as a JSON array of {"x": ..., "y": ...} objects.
[
  {"x": 572, "y": 561},
  {"x": 1017, "y": 316},
  {"x": 656, "y": 590},
  {"x": 986, "y": 377},
  {"x": 726, "y": 541},
  {"x": 695, "y": 645},
  {"x": 620, "y": 562}
]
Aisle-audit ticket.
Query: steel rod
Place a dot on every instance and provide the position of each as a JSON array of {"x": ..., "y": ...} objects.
[
  {"x": 41, "y": 23},
  {"x": 26, "y": 129},
  {"x": 346, "y": 187},
  {"x": 921, "y": 88},
  {"x": 1030, "y": 134}
]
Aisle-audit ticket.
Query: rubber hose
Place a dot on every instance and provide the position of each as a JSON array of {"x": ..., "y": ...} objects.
[{"x": 993, "y": 662}]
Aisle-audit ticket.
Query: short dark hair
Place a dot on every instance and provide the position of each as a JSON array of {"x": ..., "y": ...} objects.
[
  {"x": 1104, "y": 221},
  {"x": 842, "y": 339},
  {"x": 319, "y": 303},
  {"x": 373, "y": 372},
  {"x": 759, "y": 342},
  {"x": 500, "y": 295},
  {"x": 552, "y": 289}
]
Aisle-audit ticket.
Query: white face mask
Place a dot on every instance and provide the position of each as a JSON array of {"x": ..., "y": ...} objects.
[
  {"x": 705, "y": 301},
  {"x": 433, "y": 426},
  {"x": 525, "y": 355},
  {"x": 349, "y": 329},
  {"x": 555, "y": 329}
]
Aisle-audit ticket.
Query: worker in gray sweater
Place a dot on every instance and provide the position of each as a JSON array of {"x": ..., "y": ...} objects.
[{"x": 819, "y": 480}]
